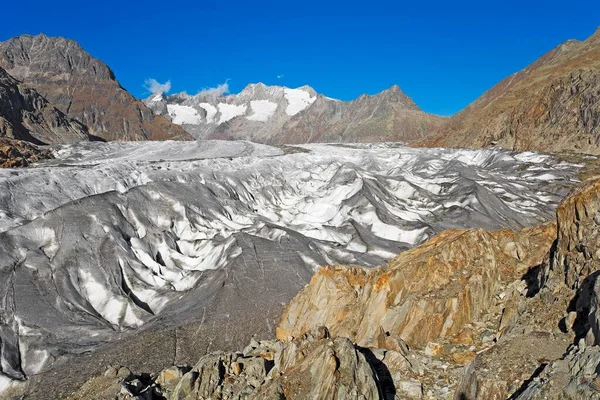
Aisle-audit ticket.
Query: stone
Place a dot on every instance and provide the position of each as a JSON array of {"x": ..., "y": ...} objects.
[
  {"x": 424, "y": 294},
  {"x": 409, "y": 389}
]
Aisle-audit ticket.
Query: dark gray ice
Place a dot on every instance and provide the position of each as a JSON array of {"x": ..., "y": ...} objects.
[{"x": 114, "y": 239}]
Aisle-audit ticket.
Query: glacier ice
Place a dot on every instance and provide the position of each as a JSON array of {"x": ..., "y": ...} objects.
[{"x": 111, "y": 239}]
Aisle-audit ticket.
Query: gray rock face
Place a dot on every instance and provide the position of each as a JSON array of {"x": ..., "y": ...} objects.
[
  {"x": 549, "y": 347},
  {"x": 83, "y": 88},
  {"x": 26, "y": 115},
  {"x": 280, "y": 115},
  {"x": 314, "y": 366}
]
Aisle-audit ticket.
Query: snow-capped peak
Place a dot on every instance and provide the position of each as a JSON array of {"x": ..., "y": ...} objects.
[{"x": 257, "y": 103}]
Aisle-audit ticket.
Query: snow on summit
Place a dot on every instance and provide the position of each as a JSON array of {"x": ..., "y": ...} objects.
[
  {"x": 256, "y": 104},
  {"x": 263, "y": 110},
  {"x": 184, "y": 114},
  {"x": 298, "y": 100}
]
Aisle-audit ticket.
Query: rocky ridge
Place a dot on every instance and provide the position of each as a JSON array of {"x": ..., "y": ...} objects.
[
  {"x": 26, "y": 115},
  {"x": 552, "y": 105},
  {"x": 470, "y": 314},
  {"x": 83, "y": 88},
  {"x": 280, "y": 115}
]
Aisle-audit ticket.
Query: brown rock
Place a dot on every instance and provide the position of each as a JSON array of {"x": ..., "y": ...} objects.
[
  {"x": 426, "y": 293},
  {"x": 26, "y": 115},
  {"x": 84, "y": 88},
  {"x": 16, "y": 153},
  {"x": 552, "y": 105}
]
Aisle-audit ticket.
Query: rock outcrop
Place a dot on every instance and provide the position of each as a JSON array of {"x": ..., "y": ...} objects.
[
  {"x": 17, "y": 153},
  {"x": 427, "y": 293},
  {"x": 552, "y": 105},
  {"x": 26, "y": 115},
  {"x": 315, "y": 366},
  {"x": 84, "y": 88}
]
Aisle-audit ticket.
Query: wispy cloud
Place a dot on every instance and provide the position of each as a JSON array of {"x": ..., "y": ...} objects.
[
  {"x": 219, "y": 90},
  {"x": 155, "y": 87},
  {"x": 279, "y": 76}
]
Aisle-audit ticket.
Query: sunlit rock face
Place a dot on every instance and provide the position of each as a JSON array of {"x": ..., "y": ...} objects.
[{"x": 114, "y": 239}]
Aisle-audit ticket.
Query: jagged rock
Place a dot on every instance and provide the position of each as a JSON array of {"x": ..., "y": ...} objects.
[
  {"x": 578, "y": 246},
  {"x": 26, "y": 115},
  {"x": 568, "y": 300},
  {"x": 84, "y": 88},
  {"x": 312, "y": 367},
  {"x": 572, "y": 378},
  {"x": 426, "y": 293},
  {"x": 501, "y": 370},
  {"x": 16, "y": 153}
]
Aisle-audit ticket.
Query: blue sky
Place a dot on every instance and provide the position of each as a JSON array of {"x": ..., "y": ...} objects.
[{"x": 442, "y": 54}]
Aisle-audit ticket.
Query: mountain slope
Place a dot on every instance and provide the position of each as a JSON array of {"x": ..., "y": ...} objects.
[
  {"x": 26, "y": 115},
  {"x": 84, "y": 88},
  {"x": 552, "y": 105},
  {"x": 387, "y": 116},
  {"x": 280, "y": 115}
]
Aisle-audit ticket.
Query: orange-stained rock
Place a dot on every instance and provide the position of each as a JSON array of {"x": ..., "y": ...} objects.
[
  {"x": 426, "y": 293},
  {"x": 17, "y": 153},
  {"x": 578, "y": 246},
  {"x": 463, "y": 357}
]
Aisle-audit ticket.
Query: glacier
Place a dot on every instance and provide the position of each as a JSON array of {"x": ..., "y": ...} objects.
[{"x": 113, "y": 241}]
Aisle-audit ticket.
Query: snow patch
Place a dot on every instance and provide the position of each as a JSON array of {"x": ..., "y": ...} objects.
[
  {"x": 229, "y": 111},
  {"x": 184, "y": 114},
  {"x": 211, "y": 112},
  {"x": 298, "y": 100},
  {"x": 262, "y": 110}
]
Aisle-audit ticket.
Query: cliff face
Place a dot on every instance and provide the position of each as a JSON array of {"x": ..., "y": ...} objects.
[
  {"x": 552, "y": 105},
  {"x": 424, "y": 294},
  {"x": 26, "y": 115},
  {"x": 84, "y": 88}
]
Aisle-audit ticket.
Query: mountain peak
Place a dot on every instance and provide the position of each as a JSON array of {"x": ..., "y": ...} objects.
[
  {"x": 82, "y": 87},
  {"x": 394, "y": 93}
]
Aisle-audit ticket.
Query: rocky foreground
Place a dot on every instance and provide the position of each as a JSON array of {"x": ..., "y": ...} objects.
[{"x": 470, "y": 314}]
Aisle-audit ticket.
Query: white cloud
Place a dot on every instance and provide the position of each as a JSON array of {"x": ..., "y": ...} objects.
[
  {"x": 155, "y": 87},
  {"x": 279, "y": 76},
  {"x": 219, "y": 90}
]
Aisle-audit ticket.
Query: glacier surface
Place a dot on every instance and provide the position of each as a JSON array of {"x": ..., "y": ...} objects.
[{"x": 113, "y": 239}]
